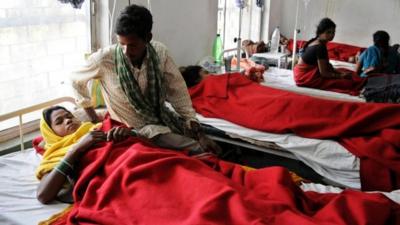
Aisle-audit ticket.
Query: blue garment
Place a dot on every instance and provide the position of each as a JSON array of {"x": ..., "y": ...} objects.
[{"x": 372, "y": 57}]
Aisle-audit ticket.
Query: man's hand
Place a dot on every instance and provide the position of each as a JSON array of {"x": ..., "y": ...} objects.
[
  {"x": 193, "y": 130},
  {"x": 94, "y": 118},
  {"x": 209, "y": 145},
  {"x": 118, "y": 134}
]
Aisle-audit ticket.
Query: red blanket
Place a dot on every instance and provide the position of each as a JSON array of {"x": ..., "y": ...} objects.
[
  {"x": 370, "y": 131},
  {"x": 131, "y": 183},
  {"x": 309, "y": 76}
]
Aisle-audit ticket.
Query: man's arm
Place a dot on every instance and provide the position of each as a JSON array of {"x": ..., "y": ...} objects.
[
  {"x": 80, "y": 79},
  {"x": 177, "y": 93}
]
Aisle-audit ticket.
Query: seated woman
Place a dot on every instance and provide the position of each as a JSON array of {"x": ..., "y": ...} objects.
[
  {"x": 67, "y": 139},
  {"x": 379, "y": 58},
  {"x": 314, "y": 69}
]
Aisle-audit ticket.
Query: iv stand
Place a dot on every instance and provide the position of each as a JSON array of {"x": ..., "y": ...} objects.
[
  {"x": 296, "y": 31},
  {"x": 239, "y": 40}
]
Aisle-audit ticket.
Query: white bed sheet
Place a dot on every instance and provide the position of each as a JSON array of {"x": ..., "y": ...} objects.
[
  {"x": 283, "y": 79},
  {"x": 344, "y": 65},
  {"x": 327, "y": 158},
  {"x": 18, "y": 203}
]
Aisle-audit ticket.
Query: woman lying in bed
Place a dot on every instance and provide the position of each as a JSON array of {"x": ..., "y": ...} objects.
[
  {"x": 66, "y": 140},
  {"x": 314, "y": 69}
]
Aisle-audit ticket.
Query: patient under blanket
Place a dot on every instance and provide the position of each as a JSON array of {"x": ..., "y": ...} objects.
[
  {"x": 383, "y": 88},
  {"x": 133, "y": 183},
  {"x": 369, "y": 131}
]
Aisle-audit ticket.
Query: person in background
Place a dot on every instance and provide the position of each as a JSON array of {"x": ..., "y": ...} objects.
[
  {"x": 67, "y": 139},
  {"x": 314, "y": 70},
  {"x": 138, "y": 76},
  {"x": 380, "y": 57},
  {"x": 193, "y": 74}
]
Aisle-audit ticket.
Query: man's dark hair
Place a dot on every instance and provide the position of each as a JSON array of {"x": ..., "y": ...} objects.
[
  {"x": 191, "y": 75},
  {"x": 134, "y": 19},
  {"x": 47, "y": 113},
  {"x": 381, "y": 38}
]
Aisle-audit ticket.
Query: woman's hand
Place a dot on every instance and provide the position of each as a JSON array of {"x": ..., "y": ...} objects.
[{"x": 118, "y": 134}]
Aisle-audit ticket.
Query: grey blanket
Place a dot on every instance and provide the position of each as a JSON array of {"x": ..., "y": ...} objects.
[{"x": 385, "y": 88}]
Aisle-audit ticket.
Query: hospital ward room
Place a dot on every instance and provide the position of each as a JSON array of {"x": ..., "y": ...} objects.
[{"x": 197, "y": 112}]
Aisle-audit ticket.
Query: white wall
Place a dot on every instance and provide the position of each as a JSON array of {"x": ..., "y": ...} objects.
[
  {"x": 187, "y": 27},
  {"x": 356, "y": 20}
]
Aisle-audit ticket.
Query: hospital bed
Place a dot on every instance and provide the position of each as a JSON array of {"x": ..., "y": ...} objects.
[
  {"x": 18, "y": 183},
  {"x": 18, "y": 203},
  {"x": 327, "y": 158}
]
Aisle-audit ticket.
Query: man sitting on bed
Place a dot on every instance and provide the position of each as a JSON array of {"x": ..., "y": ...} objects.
[{"x": 138, "y": 76}]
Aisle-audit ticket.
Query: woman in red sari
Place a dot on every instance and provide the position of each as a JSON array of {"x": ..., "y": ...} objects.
[{"x": 314, "y": 69}]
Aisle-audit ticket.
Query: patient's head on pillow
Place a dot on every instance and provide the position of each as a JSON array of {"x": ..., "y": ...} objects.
[
  {"x": 60, "y": 120},
  {"x": 193, "y": 74}
]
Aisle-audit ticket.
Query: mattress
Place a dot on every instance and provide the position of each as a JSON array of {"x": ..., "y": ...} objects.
[
  {"x": 283, "y": 79},
  {"x": 326, "y": 157},
  {"x": 18, "y": 203}
]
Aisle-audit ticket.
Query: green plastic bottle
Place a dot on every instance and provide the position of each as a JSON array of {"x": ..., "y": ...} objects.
[{"x": 217, "y": 49}]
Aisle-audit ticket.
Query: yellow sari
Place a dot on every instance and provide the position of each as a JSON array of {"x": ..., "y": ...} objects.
[{"x": 56, "y": 147}]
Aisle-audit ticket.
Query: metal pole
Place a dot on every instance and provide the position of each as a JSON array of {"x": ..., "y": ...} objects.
[
  {"x": 295, "y": 36},
  {"x": 239, "y": 41},
  {"x": 21, "y": 134}
]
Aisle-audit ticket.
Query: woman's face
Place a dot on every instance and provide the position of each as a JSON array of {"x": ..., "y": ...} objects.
[
  {"x": 328, "y": 35},
  {"x": 63, "y": 123}
]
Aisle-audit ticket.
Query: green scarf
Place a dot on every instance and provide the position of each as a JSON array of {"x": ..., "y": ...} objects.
[{"x": 150, "y": 106}]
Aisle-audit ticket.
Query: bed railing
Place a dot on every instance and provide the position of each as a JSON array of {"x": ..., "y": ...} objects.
[{"x": 19, "y": 113}]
